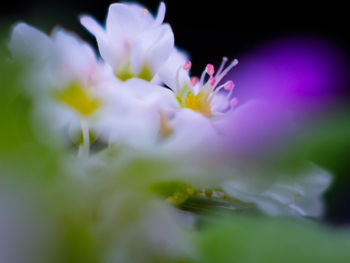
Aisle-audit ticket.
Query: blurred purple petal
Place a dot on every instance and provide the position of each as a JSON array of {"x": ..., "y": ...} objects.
[
  {"x": 290, "y": 80},
  {"x": 300, "y": 73}
]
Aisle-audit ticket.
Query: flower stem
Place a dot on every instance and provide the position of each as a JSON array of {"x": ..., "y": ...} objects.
[{"x": 84, "y": 147}]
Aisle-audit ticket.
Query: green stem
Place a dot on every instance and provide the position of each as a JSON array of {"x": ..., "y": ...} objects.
[{"x": 84, "y": 148}]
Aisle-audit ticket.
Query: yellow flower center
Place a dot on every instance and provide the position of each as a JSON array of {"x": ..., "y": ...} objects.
[
  {"x": 199, "y": 102},
  {"x": 145, "y": 73},
  {"x": 126, "y": 72},
  {"x": 79, "y": 99},
  {"x": 208, "y": 88}
]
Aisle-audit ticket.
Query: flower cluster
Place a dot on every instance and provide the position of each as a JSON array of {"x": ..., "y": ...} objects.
[{"x": 137, "y": 94}]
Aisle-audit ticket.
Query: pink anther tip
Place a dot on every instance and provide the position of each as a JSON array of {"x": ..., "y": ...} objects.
[
  {"x": 229, "y": 85},
  {"x": 234, "y": 102},
  {"x": 210, "y": 69},
  {"x": 188, "y": 65},
  {"x": 193, "y": 81},
  {"x": 212, "y": 81}
]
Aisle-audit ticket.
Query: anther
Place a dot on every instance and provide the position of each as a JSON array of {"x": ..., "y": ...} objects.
[
  {"x": 212, "y": 81},
  {"x": 229, "y": 85},
  {"x": 234, "y": 102},
  {"x": 193, "y": 81},
  {"x": 210, "y": 69},
  {"x": 187, "y": 65}
]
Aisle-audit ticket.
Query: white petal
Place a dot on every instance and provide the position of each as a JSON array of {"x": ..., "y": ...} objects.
[
  {"x": 247, "y": 187},
  {"x": 160, "y": 14},
  {"x": 193, "y": 136},
  {"x": 127, "y": 20},
  {"x": 152, "y": 49},
  {"x": 233, "y": 189},
  {"x": 312, "y": 206},
  {"x": 29, "y": 43},
  {"x": 56, "y": 117},
  {"x": 298, "y": 195},
  {"x": 130, "y": 120},
  {"x": 149, "y": 93},
  {"x": 315, "y": 182},
  {"x": 168, "y": 73},
  {"x": 92, "y": 26},
  {"x": 77, "y": 59},
  {"x": 110, "y": 53},
  {"x": 137, "y": 126}
]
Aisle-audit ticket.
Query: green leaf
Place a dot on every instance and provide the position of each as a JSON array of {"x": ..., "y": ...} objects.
[{"x": 256, "y": 239}]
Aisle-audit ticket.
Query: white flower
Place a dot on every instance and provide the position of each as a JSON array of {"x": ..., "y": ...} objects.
[
  {"x": 80, "y": 93},
  {"x": 68, "y": 83},
  {"x": 299, "y": 194},
  {"x": 133, "y": 42},
  {"x": 189, "y": 131},
  {"x": 203, "y": 95}
]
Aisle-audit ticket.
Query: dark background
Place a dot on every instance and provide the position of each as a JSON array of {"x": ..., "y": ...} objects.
[{"x": 209, "y": 30}]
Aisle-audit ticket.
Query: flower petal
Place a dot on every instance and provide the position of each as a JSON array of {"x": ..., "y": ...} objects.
[
  {"x": 192, "y": 137},
  {"x": 168, "y": 73},
  {"x": 160, "y": 14},
  {"x": 149, "y": 93},
  {"x": 77, "y": 58},
  {"x": 298, "y": 195},
  {"x": 315, "y": 183},
  {"x": 128, "y": 20},
  {"x": 110, "y": 53},
  {"x": 29, "y": 43},
  {"x": 152, "y": 49}
]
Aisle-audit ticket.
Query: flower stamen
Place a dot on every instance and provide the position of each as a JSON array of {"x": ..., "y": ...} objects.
[
  {"x": 187, "y": 65},
  {"x": 199, "y": 94},
  {"x": 193, "y": 81}
]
